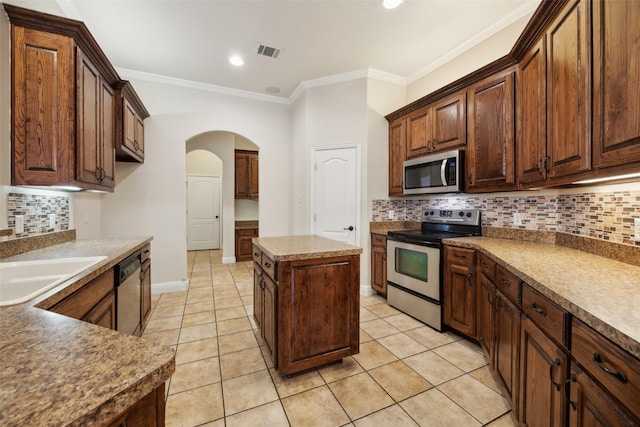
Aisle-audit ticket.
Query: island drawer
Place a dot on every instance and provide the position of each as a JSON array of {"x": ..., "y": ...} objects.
[
  {"x": 545, "y": 313},
  {"x": 617, "y": 370},
  {"x": 269, "y": 266},
  {"x": 487, "y": 266},
  {"x": 461, "y": 256},
  {"x": 508, "y": 284},
  {"x": 257, "y": 255}
]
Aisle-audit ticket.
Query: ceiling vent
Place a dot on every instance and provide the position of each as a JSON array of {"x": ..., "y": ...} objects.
[{"x": 271, "y": 52}]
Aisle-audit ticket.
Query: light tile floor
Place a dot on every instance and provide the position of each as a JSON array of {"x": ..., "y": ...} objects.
[{"x": 406, "y": 374}]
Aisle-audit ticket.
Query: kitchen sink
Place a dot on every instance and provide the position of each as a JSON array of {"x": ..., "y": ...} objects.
[{"x": 21, "y": 281}]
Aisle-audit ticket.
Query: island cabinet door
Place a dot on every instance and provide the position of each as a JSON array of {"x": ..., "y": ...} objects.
[{"x": 318, "y": 310}]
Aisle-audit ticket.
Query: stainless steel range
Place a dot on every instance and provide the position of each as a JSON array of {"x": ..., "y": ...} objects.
[{"x": 415, "y": 265}]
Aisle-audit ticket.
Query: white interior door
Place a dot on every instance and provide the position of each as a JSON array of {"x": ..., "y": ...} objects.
[
  {"x": 335, "y": 194},
  {"x": 203, "y": 212}
]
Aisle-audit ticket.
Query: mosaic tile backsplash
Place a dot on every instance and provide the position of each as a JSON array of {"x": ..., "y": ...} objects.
[
  {"x": 604, "y": 216},
  {"x": 36, "y": 209}
]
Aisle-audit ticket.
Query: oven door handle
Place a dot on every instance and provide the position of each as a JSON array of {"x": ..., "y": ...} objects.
[
  {"x": 417, "y": 245},
  {"x": 443, "y": 175}
]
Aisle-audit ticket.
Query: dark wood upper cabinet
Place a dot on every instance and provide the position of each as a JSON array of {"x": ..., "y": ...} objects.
[
  {"x": 65, "y": 98},
  {"x": 577, "y": 87},
  {"x": 569, "y": 92},
  {"x": 42, "y": 106},
  {"x": 616, "y": 83},
  {"x": 490, "y": 150},
  {"x": 246, "y": 174},
  {"x": 419, "y": 133},
  {"x": 95, "y": 126},
  {"x": 439, "y": 126},
  {"x": 397, "y": 155},
  {"x": 449, "y": 122},
  {"x": 554, "y": 101},
  {"x": 531, "y": 135},
  {"x": 130, "y": 135}
]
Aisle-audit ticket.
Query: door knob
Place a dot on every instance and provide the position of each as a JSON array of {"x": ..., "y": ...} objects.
[{"x": 350, "y": 228}]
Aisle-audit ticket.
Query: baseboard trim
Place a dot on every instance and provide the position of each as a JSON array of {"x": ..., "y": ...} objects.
[
  {"x": 366, "y": 291},
  {"x": 228, "y": 260},
  {"x": 161, "y": 288}
]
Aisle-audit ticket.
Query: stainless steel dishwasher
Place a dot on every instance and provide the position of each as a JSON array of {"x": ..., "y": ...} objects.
[{"x": 128, "y": 295}]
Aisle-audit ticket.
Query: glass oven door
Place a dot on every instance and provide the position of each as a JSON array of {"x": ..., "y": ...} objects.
[{"x": 414, "y": 267}]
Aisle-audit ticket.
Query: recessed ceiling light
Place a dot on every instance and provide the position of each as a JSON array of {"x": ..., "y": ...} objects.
[
  {"x": 236, "y": 60},
  {"x": 392, "y": 4}
]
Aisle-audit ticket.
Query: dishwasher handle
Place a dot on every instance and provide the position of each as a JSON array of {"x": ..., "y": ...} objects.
[{"x": 128, "y": 267}]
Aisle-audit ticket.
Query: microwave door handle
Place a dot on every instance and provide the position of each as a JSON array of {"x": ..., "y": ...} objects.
[{"x": 443, "y": 175}]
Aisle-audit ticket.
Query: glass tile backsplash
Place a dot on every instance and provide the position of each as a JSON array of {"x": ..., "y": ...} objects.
[
  {"x": 604, "y": 216},
  {"x": 36, "y": 210}
]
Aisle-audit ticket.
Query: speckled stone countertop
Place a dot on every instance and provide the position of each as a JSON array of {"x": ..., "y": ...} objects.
[
  {"x": 246, "y": 225},
  {"x": 601, "y": 292},
  {"x": 293, "y": 248},
  {"x": 383, "y": 227},
  {"x": 61, "y": 371}
]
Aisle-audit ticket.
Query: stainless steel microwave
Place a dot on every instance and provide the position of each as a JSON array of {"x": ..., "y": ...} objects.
[{"x": 436, "y": 173}]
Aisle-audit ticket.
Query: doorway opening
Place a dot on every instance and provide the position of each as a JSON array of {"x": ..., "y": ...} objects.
[{"x": 211, "y": 178}]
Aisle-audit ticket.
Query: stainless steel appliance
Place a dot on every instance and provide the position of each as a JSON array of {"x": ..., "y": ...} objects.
[
  {"x": 128, "y": 295},
  {"x": 437, "y": 173},
  {"x": 415, "y": 262}
]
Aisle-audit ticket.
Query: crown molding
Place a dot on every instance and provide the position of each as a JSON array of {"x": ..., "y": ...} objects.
[
  {"x": 206, "y": 87},
  {"x": 524, "y": 10}
]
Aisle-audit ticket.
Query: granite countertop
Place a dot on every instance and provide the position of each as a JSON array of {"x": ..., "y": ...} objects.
[
  {"x": 383, "y": 227},
  {"x": 64, "y": 371},
  {"x": 601, "y": 292},
  {"x": 293, "y": 248},
  {"x": 246, "y": 225}
]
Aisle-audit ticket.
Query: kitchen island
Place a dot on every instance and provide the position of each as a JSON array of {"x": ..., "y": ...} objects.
[
  {"x": 306, "y": 300},
  {"x": 57, "y": 370}
]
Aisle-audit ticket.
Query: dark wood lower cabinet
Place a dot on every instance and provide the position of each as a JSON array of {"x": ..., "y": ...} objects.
[
  {"x": 147, "y": 412},
  {"x": 379, "y": 263},
  {"x": 258, "y": 295},
  {"x": 318, "y": 306},
  {"x": 269, "y": 314},
  {"x": 307, "y": 311},
  {"x": 95, "y": 302},
  {"x": 507, "y": 345},
  {"x": 543, "y": 369},
  {"x": 485, "y": 309},
  {"x": 555, "y": 369},
  {"x": 591, "y": 406},
  {"x": 244, "y": 244},
  {"x": 104, "y": 313},
  {"x": 459, "y": 298},
  {"x": 145, "y": 287}
]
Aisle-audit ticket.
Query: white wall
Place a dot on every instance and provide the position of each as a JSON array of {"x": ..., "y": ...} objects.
[
  {"x": 324, "y": 116},
  {"x": 483, "y": 53},
  {"x": 344, "y": 113},
  {"x": 203, "y": 162},
  {"x": 150, "y": 200}
]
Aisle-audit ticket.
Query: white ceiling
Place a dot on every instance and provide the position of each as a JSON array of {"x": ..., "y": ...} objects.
[{"x": 192, "y": 40}]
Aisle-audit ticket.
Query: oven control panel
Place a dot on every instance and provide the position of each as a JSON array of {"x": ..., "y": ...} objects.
[{"x": 451, "y": 216}]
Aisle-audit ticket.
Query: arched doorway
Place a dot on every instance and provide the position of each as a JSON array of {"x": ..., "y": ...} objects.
[{"x": 213, "y": 154}]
